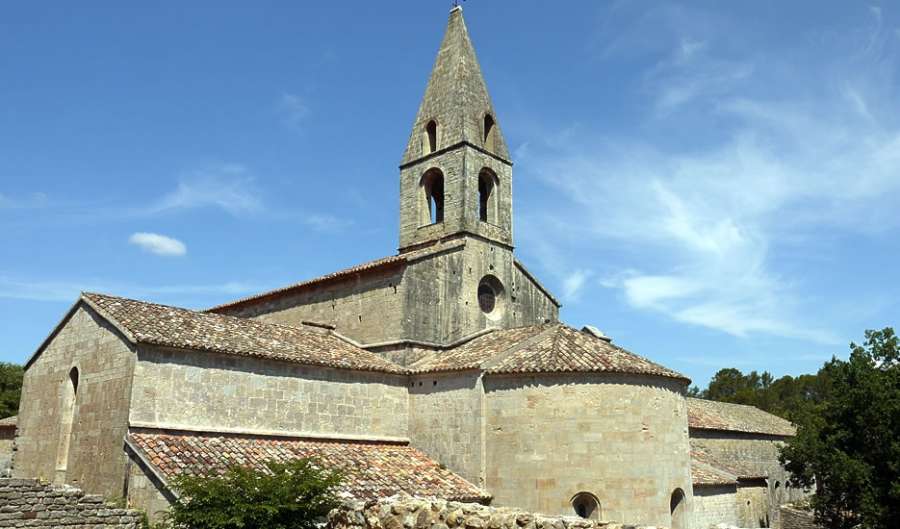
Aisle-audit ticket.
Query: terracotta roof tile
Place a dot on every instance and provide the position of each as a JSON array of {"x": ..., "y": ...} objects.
[
  {"x": 736, "y": 467},
  {"x": 154, "y": 324},
  {"x": 705, "y": 473},
  {"x": 9, "y": 421},
  {"x": 713, "y": 415},
  {"x": 371, "y": 470},
  {"x": 546, "y": 348}
]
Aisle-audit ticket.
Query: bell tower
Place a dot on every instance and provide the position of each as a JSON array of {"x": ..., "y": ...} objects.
[{"x": 455, "y": 176}]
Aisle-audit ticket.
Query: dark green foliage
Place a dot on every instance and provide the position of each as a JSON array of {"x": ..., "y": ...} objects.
[
  {"x": 787, "y": 397},
  {"x": 10, "y": 388},
  {"x": 292, "y": 495},
  {"x": 848, "y": 445}
]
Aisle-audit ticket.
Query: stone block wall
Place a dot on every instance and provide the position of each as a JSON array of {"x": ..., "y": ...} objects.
[
  {"x": 621, "y": 438},
  {"x": 366, "y": 307},
  {"x": 753, "y": 504},
  {"x": 445, "y": 421},
  {"x": 406, "y": 512},
  {"x": 30, "y": 503},
  {"x": 105, "y": 361},
  {"x": 441, "y": 293},
  {"x": 253, "y": 394},
  {"x": 715, "y": 504}
]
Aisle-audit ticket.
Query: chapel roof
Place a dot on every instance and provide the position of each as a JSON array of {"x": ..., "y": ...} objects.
[
  {"x": 544, "y": 348},
  {"x": 703, "y": 472},
  {"x": 9, "y": 421},
  {"x": 150, "y": 323},
  {"x": 713, "y": 415},
  {"x": 371, "y": 469},
  {"x": 736, "y": 467}
]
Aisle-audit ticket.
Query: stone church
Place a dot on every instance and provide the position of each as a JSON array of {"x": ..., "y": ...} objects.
[{"x": 440, "y": 371}]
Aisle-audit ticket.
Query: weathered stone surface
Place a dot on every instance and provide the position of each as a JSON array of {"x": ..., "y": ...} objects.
[
  {"x": 395, "y": 511},
  {"x": 30, "y": 503}
]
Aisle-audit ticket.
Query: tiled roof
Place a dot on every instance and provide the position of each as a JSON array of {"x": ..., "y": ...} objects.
[
  {"x": 736, "y": 467},
  {"x": 9, "y": 421},
  {"x": 546, "y": 348},
  {"x": 384, "y": 262},
  {"x": 704, "y": 473},
  {"x": 713, "y": 415},
  {"x": 371, "y": 470},
  {"x": 154, "y": 324}
]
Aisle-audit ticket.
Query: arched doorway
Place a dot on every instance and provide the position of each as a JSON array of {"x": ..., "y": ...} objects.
[
  {"x": 677, "y": 509},
  {"x": 586, "y": 505}
]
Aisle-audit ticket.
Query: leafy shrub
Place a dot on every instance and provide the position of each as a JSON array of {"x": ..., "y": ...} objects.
[{"x": 293, "y": 495}]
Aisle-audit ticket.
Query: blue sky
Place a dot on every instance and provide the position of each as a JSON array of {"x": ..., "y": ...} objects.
[{"x": 711, "y": 184}]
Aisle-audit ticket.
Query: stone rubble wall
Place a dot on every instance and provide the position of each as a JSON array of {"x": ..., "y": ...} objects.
[
  {"x": 407, "y": 512},
  {"x": 30, "y": 503}
]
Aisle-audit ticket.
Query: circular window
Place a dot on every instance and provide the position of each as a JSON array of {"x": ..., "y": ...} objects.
[
  {"x": 487, "y": 299},
  {"x": 490, "y": 296}
]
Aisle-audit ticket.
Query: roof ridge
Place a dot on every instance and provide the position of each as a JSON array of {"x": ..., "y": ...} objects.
[{"x": 516, "y": 347}]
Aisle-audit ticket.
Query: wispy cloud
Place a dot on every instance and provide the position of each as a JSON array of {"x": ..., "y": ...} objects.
[
  {"x": 226, "y": 186},
  {"x": 800, "y": 148},
  {"x": 293, "y": 109},
  {"x": 69, "y": 290},
  {"x": 574, "y": 283},
  {"x": 158, "y": 244}
]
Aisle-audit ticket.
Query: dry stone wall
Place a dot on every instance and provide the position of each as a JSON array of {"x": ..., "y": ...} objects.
[
  {"x": 30, "y": 503},
  {"x": 406, "y": 512}
]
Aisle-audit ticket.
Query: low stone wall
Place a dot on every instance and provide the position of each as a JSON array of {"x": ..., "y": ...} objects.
[
  {"x": 794, "y": 518},
  {"x": 406, "y": 512},
  {"x": 30, "y": 503}
]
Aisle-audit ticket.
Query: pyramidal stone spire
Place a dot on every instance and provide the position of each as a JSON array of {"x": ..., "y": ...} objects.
[{"x": 456, "y": 104}]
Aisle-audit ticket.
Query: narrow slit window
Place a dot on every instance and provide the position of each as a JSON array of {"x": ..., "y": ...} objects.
[
  {"x": 430, "y": 137},
  {"x": 489, "y": 132}
]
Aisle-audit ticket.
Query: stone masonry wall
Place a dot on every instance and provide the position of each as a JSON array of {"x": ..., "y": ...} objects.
[
  {"x": 406, "y": 512},
  {"x": 715, "y": 505},
  {"x": 621, "y": 438},
  {"x": 441, "y": 293},
  {"x": 105, "y": 361},
  {"x": 366, "y": 307},
  {"x": 445, "y": 421},
  {"x": 30, "y": 503},
  {"x": 264, "y": 395}
]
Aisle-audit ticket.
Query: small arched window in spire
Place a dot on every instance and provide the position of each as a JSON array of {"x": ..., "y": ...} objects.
[
  {"x": 430, "y": 137},
  {"x": 489, "y": 132},
  {"x": 432, "y": 192},
  {"x": 487, "y": 196}
]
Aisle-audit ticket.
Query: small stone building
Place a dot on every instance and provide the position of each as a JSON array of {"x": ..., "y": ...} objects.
[
  {"x": 440, "y": 371},
  {"x": 734, "y": 456}
]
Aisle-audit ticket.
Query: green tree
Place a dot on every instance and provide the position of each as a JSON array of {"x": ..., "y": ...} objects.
[
  {"x": 293, "y": 495},
  {"x": 848, "y": 445},
  {"x": 10, "y": 388}
]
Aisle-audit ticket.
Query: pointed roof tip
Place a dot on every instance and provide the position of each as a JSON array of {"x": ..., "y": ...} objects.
[{"x": 456, "y": 8}]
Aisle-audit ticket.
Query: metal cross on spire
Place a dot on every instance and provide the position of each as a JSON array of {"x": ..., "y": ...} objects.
[{"x": 457, "y": 2}]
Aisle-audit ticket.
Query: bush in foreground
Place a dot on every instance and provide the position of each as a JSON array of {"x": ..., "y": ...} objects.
[{"x": 293, "y": 495}]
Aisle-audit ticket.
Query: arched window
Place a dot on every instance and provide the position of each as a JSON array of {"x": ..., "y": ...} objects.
[
  {"x": 488, "y": 132},
  {"x": 432, "y": 193},
  {"x": 586, "y": 505},
  {"x": 67, "y": 414},
  {"x": 430, "y": 137},
  {"x": 677, "y": 508},
  {"x": 487, "y": 196}
]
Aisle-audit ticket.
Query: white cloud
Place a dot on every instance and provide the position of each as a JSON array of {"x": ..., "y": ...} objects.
[
  {"x": 226, "y": 186},
  {"x": 69, "y": 290},
  {"x": 574, "y": 282},
  {"x": 293, "y": 109},
  {"x": 158, "y": 244},
  {"x": 788, "y": 149}
]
